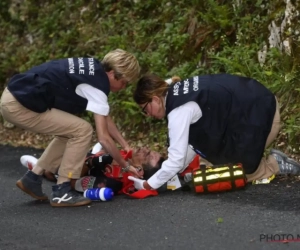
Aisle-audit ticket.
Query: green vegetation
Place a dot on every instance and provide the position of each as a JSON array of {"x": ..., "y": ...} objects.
[{"x": 182, "y": 38}]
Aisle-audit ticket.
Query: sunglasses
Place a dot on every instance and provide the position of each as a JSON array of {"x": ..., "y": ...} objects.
[{"x": 144, "y": 109}]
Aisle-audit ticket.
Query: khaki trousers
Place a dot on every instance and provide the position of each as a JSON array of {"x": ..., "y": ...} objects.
[
  {"x": 72, "y": 135},
  {"x": 268, "y": 166}
]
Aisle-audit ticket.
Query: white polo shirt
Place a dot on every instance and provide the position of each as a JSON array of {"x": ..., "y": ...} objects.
[{"x": 97, "y": 100}]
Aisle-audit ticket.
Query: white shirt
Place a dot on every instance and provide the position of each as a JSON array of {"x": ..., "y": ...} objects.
[
  {"x": 97, "y": 100},
  {"x": 180, "y": 154}
]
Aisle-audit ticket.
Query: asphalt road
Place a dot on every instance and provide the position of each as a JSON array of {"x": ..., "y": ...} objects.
[{"x": 174, "y": 220}]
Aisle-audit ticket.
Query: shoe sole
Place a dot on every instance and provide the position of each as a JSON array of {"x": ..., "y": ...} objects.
[
  {"x": 291, "y": 161},
  {"x": 20, "y": 185},
  {"x": 78, "y": 204},
  {"x": 285, "y": 157}
]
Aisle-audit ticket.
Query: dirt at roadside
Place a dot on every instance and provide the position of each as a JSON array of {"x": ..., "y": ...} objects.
[{"x": 19, "y": 137}]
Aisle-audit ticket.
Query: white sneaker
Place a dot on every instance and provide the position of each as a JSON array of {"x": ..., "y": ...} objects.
[{"x": 28, "y": 161}]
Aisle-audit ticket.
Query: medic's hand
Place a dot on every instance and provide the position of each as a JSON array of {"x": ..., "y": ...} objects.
[
  {"x": 136, "y": 172},
  {"x": 138, "y": 184}
]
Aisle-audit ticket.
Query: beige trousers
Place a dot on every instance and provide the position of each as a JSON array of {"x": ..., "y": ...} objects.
[
  {"x": 268, "y": 166},
  {"x": 72, "y": 135}
]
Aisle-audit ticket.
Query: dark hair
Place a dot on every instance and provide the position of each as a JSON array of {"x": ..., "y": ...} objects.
[
  {"x": 148, "y": 86},
  {"x": 150, "y": 170}
]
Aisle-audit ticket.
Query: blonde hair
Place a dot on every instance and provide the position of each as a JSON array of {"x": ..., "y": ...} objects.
[
  {"x": 124, "y": 64},
  {"x": 151, "y": 85}
]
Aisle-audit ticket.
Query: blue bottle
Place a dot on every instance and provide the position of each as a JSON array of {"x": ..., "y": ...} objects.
[{"x": 99, "y": 194}]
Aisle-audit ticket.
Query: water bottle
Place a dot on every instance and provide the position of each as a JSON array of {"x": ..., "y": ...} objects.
[{"x": 99, "y": 194}]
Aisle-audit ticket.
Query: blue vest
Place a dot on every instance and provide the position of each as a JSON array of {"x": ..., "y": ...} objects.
[
  {"x": 237, "y": 116},
  {"x": 52, "y": 84}
]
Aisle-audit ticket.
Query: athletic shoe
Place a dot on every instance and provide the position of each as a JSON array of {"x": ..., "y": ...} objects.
[
  {"x": 286, "y": 165},
  {"x": 63, "y": 196},
  {"x": 28, "y": 161},
  {"x": 31, "y": 184}
]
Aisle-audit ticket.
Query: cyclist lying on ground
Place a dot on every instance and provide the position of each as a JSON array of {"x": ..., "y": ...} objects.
[{"x": 100, "y": 170}]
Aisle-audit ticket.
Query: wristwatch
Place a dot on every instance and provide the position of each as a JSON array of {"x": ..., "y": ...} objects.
[{"x": 126, "y": 168}]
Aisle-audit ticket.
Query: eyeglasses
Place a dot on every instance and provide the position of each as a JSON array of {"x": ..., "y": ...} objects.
[{"x": 144, "y": 109}]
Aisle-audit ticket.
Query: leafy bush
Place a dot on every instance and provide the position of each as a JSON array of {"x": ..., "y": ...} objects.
[{"x": 169, "y": 38}]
